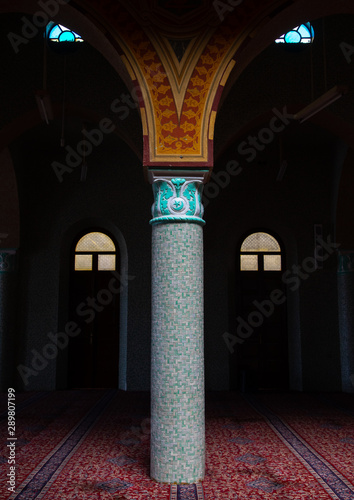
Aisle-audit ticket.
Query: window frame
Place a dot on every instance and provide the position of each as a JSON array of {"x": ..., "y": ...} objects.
[
  {"x": 281, "y": 40},
  {"x": 260, "y": 254},
  {"x": 52, "y": 25},
  {"x": 94, "y": 254}
]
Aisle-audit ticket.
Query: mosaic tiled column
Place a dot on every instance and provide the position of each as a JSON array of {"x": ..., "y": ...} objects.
[
  {"x": 346, "y": 317},
  {"x": 8, "y": 283},
  {"x": 177, "y": 357}
]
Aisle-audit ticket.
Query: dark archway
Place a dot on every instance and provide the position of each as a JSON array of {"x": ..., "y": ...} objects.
[
  {"x": 93, "y": 357},
  {"x": 66, "y": 258},
  {"x": 260, "y": 360}
]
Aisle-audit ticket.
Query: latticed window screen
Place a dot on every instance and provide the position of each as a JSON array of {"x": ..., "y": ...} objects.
[
  {"x": 107, "y": 262},
  {"x": 95, "y": 245},
  {"x": 272, "y": 262},
  {"x": 249, "y": 262},
  {"x": 260, "y": 242},
  {"x": 83, "y": 262},
  {"x": 260, "y": 251}
]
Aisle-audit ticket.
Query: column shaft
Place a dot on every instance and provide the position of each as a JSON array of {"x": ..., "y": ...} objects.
[{"x": 177, "y": 357}]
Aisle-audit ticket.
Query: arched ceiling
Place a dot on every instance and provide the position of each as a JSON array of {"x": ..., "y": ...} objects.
[
  {"x": 179, "y": 104},
  {"x": 180, "y": 98},
  {"x": 179, "y": 94}
]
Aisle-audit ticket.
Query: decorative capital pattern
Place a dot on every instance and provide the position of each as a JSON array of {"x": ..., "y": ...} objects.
[
  {"x": 177, "y": 200},
  {"x": 7, "y": 261},
  {"x": 346, "y": 262}
]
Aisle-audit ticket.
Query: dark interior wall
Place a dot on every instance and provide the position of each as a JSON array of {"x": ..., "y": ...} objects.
[
  {"x": 8, "y": 330},
  {"x": 306, "y": 195},
  {"x": 344, "y": 223},
  {"x": 51, "y": 205},
  {"x": 255, "y": 199},
  {"x": 115, "y": 192},
  {"x": 278, "y": 78},
  {"x": 9, "y": 206}
]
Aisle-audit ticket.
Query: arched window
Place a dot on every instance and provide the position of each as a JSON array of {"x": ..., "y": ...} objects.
[
  {"x": 93, "y": 356},
  {"x": 95, "y": 251},
  {"x": 58, "y": 33},
  {"x": 304, "y": 33},
  {"x": 260, "y": 252},
  {"x": 61, "y": 39}
]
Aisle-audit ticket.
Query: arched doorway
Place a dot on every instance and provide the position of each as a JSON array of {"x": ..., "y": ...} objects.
[
  {"x": 94, "y": 306},
  {"x": 260, "y": 360}
]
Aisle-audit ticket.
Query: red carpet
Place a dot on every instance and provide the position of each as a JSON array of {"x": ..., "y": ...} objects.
[{"x": 94, "y": 444}]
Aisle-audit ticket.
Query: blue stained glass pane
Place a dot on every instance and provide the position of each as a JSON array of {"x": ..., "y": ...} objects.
[
  {"x": 55, "y": 32},
  {"x": 59, "y": 33},
  {"x": 67, "y": 36},
  {"x": 304, "y": 31},
  {"x": 293, "y": 37},
  {"x": 300, "y": 34}
]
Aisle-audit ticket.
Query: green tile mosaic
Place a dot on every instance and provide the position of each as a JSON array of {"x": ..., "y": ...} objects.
[{"x": 177, "y": 373}]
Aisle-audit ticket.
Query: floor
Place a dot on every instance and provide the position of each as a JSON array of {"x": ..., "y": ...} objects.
[{"x": 94, "y": 444}]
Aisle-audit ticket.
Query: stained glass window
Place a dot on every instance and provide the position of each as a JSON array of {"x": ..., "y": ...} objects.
[
  {"x": 304, "y": 33},
  {"x": 95, "y": 250},
  {"x": 260, "y": 251},
  {"x": 59, "y": 33}
]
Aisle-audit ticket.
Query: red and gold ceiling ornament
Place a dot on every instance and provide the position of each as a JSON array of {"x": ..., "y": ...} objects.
[{"x": 180, "y": 92}]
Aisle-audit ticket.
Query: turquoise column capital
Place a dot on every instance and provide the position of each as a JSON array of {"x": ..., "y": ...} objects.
[
  {"x": 177, "y": 199},
  {"x": 345, "y": 261}
]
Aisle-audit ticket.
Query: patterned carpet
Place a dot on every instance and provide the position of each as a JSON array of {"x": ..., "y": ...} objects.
[{"x": 94, "y": 444}]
